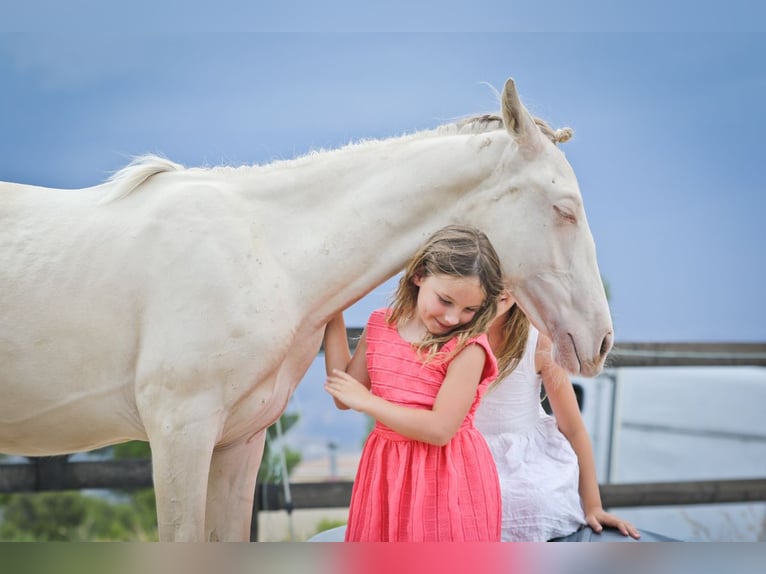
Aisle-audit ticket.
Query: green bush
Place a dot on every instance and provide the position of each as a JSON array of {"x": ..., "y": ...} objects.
[
  {"x": 71, "y": 516},
  {"x": 120, "y": 516}
]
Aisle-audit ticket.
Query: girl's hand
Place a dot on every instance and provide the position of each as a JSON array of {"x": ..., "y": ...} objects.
[
  {"x": 346, "y": 389},
  {"x": 599, "y": 518}
]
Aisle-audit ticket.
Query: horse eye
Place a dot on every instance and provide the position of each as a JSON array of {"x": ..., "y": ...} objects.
[{"x": 565, "y": 214}]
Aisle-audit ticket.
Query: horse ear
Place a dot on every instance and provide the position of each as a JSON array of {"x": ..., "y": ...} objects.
[{"x": 519, "y": 122}]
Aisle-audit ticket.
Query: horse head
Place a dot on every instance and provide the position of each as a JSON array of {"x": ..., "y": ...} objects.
[{"x": 535, "y": 217}]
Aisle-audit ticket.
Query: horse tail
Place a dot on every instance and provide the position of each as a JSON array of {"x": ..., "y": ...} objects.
[{"x": 129, "y": 178}]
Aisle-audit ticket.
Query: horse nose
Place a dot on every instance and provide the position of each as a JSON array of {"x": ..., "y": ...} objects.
[{"x": 606, "y": 345}]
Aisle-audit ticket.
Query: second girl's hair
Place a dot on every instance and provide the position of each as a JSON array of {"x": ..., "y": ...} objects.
[
  {"x": 514, "y": 341},
  {"x": 457, "y": 251}
]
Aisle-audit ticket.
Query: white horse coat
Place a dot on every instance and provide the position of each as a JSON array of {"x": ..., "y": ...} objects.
[{"x": 183, "y": 306}]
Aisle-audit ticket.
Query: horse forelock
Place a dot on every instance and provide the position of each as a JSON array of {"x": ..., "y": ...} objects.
[{"x": 558, "y": 136}]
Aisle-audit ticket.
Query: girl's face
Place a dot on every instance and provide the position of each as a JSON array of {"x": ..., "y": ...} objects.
[{"x": 446, "y": 302}]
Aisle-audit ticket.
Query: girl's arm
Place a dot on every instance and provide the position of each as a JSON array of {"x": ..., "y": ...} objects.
[
  {"x": 337, "y": 355},
  {"x": 563, "y": 402},
  {"x": 435, "y": 426}
]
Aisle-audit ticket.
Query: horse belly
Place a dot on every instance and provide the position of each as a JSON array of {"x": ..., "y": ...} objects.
[
  {"x": 66, "y": 385},
  {"x": 67, "y": 427}
]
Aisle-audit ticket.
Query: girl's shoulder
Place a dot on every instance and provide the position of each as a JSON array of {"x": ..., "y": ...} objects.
[
  {"x": 379, "y": 316},
  {"x": 378, "y": 320},
  {"x": 490, "y": 362},
  {"x": 489, "y": 373},
  {"x": 482, "y": 340}
]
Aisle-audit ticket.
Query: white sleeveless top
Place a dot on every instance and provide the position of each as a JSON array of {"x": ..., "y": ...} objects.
[{"x": 537, "y": 467}]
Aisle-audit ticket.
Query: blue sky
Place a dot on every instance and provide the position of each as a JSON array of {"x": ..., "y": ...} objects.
[{"x": 667, "y": 147}]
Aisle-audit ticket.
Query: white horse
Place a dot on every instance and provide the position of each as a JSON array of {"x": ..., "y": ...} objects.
[{"x": 183, "y": 306}]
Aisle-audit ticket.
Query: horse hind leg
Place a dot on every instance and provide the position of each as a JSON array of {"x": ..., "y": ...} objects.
[{"x": 231, "y": 489}]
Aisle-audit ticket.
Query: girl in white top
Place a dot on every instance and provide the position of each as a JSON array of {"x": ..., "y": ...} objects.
[{"x": 547, "y": 471}]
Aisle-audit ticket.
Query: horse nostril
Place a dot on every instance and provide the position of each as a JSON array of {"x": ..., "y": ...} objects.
[{"x": 606, "y": 344}]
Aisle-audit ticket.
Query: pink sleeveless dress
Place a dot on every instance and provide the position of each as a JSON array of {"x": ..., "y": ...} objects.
[{"x": 410, "y": 491}]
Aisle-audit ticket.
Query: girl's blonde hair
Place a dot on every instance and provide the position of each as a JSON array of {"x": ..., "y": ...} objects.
[
  {"x": 457, "y": 251},
  {"x": 515, "y": 334}
]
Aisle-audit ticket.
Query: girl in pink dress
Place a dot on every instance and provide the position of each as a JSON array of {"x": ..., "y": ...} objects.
[{"x": 420, "y": 369}]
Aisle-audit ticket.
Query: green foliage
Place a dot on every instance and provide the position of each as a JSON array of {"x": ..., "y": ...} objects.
[
  {"x": 71, "y": 516},
  {"x": 145, "y": 505},
  {"x": 121, "y": 516},
  {"x": 287, "y": 421},
  {"x": 132, "y": 449},
  {"x": 142, "y": 500},
  {"x": 271, "y": 465}
]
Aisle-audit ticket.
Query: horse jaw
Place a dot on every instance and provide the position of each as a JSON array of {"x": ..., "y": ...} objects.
[{"x": 569, "y": 328}]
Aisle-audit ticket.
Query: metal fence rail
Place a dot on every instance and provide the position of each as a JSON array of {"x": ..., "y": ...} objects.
[
  {"x": 56, "y": 474},
  {"x": 667, "y": 354},
  {"x": 687, "y": 355}
]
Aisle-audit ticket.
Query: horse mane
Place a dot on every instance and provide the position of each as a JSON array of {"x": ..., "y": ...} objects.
[
  {"x": 141, "y": 168},
  {"x": 137, "y": 172},
  {"x": 491, "y": 122}
]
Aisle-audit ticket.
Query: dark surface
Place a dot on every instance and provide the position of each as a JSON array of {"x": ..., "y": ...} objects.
[{"x": 585, "y": 534}]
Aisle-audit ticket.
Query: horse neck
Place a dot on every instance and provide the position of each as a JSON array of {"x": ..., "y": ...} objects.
[{"x": 352, "y": 217}]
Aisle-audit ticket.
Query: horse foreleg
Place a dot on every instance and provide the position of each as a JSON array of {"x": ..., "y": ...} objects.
[
  {"x": 181, "y": 454},
  {"x": 231, "y": 489}
]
